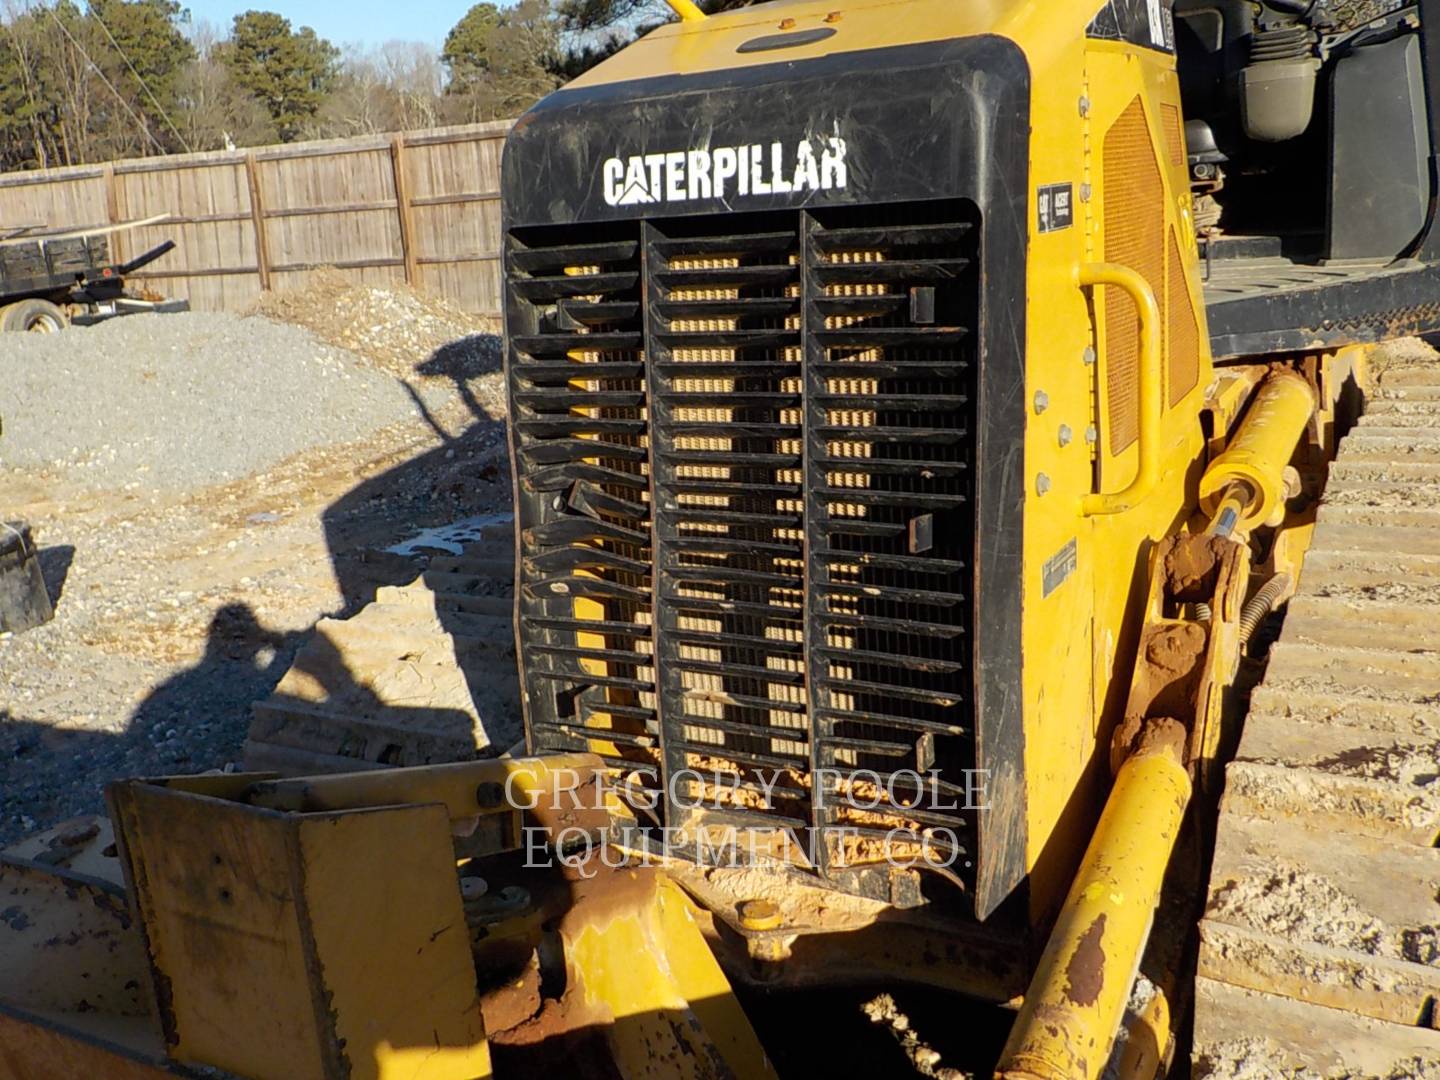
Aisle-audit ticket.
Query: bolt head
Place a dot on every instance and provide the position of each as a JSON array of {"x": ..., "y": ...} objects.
[
  {"x": 1084, "y": 105},
  {"x": 1092, "y": 436},
  {"x": 1042, "y": 484},
  {"x": 1088, "y": 356},
  {"x": 1065, "y": 435},
  {"x": 1042, "y": 401},
  {"x": 759, "y": 914}
]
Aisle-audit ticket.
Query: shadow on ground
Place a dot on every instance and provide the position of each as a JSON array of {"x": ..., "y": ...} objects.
[
  {"x": 55, "y": 568},
  {"x": 466, "y": 475},
  {"x": 190, "y": 722},
  {"x": 198, "y": 719}
]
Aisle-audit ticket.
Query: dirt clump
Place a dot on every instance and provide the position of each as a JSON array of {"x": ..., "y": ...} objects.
[
  {"x": 1413, "y": 766},
  {"x": 1192, "y": 565},
  {"x": 1296, "y": 904}
]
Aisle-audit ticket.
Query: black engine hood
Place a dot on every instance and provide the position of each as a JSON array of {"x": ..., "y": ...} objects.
[{"x": 937, "y": 120}]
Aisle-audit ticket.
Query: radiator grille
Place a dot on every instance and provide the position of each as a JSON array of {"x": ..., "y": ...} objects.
[
  {"x": 1134, "y": 237},
  {"x": 581, "y": 436},
  {"x": 796, "y": 391},
  {"x": 725, "y": 374}
]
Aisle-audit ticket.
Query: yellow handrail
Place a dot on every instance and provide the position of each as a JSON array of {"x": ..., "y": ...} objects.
[
  {"x": 1147, "y": 472},
  {"x": 686, "y": 9}
]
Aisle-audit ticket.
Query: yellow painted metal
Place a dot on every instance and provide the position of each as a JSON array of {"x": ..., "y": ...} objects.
[
  {"x": 1043, "y": 31},
  {"x": 523, "y": 782},
  {"x": 1080, "y": 637},
  {"x": 686, "y": 9},
  {"x": 1250, "y": 473},
  {"x": 305, "y": 946},
  {"x": 650, "y": 980},
  {"x": 1080, "y": 626},
  {"x": 1077, "y": 998},
  {"x": 1147, "y": 1042},
  {"x": 1147, "y": 472}
]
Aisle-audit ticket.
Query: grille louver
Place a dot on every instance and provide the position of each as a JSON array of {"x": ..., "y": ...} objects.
[
  {"x": 889, "y": 417},
  {"x": 581, "y": 437},
  {"x": 725, "y": 375},
  {"x": 776, "y": 413}
]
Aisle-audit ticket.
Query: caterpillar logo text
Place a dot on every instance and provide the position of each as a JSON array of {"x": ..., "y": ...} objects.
[{"x": 722, "y": 171}]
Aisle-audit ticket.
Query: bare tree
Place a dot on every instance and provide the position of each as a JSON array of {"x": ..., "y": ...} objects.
[{"x": 212, "y": 110}]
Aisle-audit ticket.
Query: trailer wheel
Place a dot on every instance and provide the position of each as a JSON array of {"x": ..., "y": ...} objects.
[{"x": 33, "y": 317}]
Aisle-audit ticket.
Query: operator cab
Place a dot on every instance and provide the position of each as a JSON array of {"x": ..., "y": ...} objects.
[{"x": 1309, "y": 139}]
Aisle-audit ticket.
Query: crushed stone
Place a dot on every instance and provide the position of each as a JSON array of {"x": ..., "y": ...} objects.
[
  {"x": 173, "y": 402},
  {"x": 195, "y": 523},
  {"x": 396, "y": 329}
]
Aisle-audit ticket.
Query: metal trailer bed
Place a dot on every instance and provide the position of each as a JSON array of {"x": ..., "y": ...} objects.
[{"x": 49, "y": 278}]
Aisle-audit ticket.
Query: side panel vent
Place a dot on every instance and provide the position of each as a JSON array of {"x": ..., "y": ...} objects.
[
  {"x": 1174, "y": 134},
  {"x": 1182, "y": 328},
  {"x": 1135, "y": 237}
]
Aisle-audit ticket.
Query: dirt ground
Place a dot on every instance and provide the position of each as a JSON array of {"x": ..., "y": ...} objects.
[{"x": 176, "y": 610}]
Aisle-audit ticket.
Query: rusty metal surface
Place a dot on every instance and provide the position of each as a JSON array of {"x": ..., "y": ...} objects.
[
  {"x": 829, "y": 939},
  {"x": 641, "y": 993},
  {"x": 66, "y": 938},
  {"x": 48, "y": 1046},
  {"x": 559, "y": 793},
  {"x": 85, "y": 845}
]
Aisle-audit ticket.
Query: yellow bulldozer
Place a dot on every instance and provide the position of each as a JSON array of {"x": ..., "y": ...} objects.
[{"x": 976, "y": 562}]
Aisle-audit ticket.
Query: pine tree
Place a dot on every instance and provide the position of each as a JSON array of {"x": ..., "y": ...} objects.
[{"x": 288, "y": 71}]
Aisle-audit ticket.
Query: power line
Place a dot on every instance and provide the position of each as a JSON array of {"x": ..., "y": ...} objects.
[
  {"x": 144, "y": 85},
  {"x": 118, "y": 96}
]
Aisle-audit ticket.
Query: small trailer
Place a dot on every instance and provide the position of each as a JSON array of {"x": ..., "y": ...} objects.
[{"x": 50, "y": 279}]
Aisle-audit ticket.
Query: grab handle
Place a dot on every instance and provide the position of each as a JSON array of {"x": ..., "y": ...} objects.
[{"x": 1147, "y": 472}]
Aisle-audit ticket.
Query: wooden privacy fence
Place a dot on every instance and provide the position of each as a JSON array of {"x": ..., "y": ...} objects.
[{"x": 421, "y": 207}]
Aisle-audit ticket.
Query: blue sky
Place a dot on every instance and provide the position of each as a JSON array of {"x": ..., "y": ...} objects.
[{"x": 363, "y": 22}]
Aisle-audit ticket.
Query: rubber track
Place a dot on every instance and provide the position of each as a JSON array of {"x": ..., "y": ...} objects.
[
  {"x": 424, "y": 674},
  {"x": 1319, "y": 950}
]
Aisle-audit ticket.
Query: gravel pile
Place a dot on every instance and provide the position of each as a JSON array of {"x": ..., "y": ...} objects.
[
  {"x": 204, "y": 487},
  {"x": 395, "y": 328},
  {"x": 181, "y": 401}
]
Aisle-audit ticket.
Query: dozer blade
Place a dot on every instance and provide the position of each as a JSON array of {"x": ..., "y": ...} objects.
[
  {"x": 320, "y": 927},
  {"x": 1320, "y": 948}
]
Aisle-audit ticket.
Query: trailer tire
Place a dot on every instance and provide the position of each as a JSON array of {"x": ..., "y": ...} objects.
[{"x": 34, "y": 316}]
